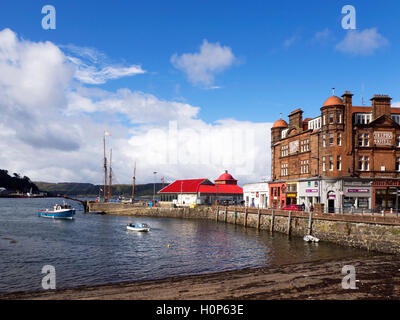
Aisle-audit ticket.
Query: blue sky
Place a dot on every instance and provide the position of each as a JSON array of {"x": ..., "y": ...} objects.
[
  {"x": 268, "y": 77},
  {"x": 132, "y": 67}
]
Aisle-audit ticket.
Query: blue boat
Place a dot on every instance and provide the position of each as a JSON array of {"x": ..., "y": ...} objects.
[{"x": 64, "y": 211}]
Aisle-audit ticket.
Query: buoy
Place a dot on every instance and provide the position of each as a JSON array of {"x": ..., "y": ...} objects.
[{"x": 169, "y": 246}]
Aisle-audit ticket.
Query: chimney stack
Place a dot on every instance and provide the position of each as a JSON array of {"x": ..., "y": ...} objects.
[
  {"x": 296, "y": 119},
  {"x": 380, "y": 105}
]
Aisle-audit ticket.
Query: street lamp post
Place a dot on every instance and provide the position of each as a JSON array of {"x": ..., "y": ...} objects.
[{"x": 154, "y": 189}]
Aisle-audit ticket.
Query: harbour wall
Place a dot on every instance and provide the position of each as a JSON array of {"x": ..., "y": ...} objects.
[{"x": 376, "y": 233}]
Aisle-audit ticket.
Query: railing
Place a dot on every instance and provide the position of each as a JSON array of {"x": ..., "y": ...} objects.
[{"x": 371, "y": 217}]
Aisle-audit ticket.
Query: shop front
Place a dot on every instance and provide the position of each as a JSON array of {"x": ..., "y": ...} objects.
[
  {"x": 277, "y": 194},
  {"x": 357, "y": 195},
  {"x": 386, "y": 194},
  {"x": 291, "y": 192},
  {"x": 309, "y": 193}
]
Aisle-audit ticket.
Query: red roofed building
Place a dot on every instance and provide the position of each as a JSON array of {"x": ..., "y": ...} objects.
[{"x": 202, "y": 191}]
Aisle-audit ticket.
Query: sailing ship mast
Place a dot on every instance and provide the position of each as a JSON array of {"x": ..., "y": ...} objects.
[
  {"x": 133, "y": 183},
  {"x": 105, "y": 168},
  {"x": 110, "y": 178}
]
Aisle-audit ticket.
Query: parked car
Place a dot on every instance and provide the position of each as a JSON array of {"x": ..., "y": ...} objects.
[{"x": 293, "y": 207}]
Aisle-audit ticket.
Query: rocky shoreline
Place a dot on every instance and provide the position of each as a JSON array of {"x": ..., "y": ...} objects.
[{"x": 377, "y": 277}]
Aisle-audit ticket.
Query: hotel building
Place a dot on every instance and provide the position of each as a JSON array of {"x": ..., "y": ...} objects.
[{"x": 347, "y": 158}]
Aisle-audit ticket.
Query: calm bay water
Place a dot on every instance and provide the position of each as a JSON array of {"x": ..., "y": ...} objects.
[{"x": 94, "y": 249}]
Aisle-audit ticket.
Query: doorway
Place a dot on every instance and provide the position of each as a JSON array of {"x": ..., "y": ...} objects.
[{"x": 331, "y": 205}]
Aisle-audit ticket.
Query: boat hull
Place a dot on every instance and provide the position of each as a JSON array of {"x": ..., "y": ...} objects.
[
  {"x": 60, "y": 214},
  {"x": 138, "y": 229}
]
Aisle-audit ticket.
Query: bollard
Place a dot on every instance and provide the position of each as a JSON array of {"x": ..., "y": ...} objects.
[
  {"x": 271, "y": 228},
  {"x": 289, "y": 222},
  {"x": 309, "y": 223},
  {"x": 245, "y": 217},
  {"x": 259, "y": 216}
]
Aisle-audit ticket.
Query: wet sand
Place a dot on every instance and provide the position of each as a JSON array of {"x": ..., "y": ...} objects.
[{"x": 377, "y": 277}]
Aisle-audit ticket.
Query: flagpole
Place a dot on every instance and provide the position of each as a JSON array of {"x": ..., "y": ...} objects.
[
  {"x": 133, "y": 183},
  {"x": 110, "y": 178}
]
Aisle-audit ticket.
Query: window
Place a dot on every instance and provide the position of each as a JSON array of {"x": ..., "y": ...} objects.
[
  {"x": 331, "y": 117},
  {"x": 339, "y": 139},
  {"x": 330, "y": 163},
  {"x": 366, "y": 139},
  {"x": 363, "y": 140},
  {"x": 305, "y": 145},
  {"x": 331, "y": 139},
  {"x": 323, "y": 120},
  {"x": 324, "y": 140},
  {"x": 324, "y": 164},
  {"x": 339, "y": 163},
  {"x": 284, "y": 151},
  {"x": 397, "y": 163},
  {"x": 363, "y": 163},
  {"x": 398, "y": 140},
  {"x": 284, "y": 169},
  {"x": 304, "y": 168},
  {"x": 339, "y": 117},
  {"x": 362, "y": 118}
]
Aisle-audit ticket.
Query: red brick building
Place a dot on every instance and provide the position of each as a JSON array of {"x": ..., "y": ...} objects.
[{"x": 346, "y": 157}]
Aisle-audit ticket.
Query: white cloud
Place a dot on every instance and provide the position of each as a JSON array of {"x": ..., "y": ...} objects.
[
  {"x": 202, "y": 67},
  {"x": 396, "y": 104},
  {"x": 290, "y": 41},
  {"x": 51, "y": 128},
  {"x": 323, "y": 35},
  {"x": 365, "y": 42},
  {"x": 93, "y": 68}
]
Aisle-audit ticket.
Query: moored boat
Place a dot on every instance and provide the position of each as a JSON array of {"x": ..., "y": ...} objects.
[
  {"x": 64, "y": 211},
  {"x": 140, "y": 227},
  {"x": 309, "y": 238}
]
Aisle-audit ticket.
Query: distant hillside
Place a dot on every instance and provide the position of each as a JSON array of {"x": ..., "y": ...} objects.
[
  {"x": 16, "y": 182},
  {"x": 88, "y": 189}
]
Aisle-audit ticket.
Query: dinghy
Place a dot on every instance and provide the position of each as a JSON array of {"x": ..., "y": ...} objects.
[
  {"x": 310, "y": 238},
  {"x": 140, "y": 227}
]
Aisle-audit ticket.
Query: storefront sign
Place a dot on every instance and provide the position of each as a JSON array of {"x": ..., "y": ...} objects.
[
  {"x": 311, "y": 190},
  {"x": 386, "y": 183},
  {"x": 332, "y": 196},
  {"x": 291, "y": 195},
  {"x": 358, "y": 190},
  {"x": 383, "y": 138}
]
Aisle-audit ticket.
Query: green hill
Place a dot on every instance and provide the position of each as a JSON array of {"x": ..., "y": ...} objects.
[{"x": 88, "y": 189}]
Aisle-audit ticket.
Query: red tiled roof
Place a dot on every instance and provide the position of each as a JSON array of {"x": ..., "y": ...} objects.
[
  {"x": 357, "y": 109},
  {"x": 222, "y": 188},
  {"x": 200, "y": 185},
  {"x": 184, "y": 186}
]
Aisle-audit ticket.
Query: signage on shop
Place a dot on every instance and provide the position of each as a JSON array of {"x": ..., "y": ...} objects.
[
  {"x": 386, "y": 183},
  {"x": 311, "y": 190},
  {"x": 291, "y": 195},
  {"x": 358, "y": 190},
  {"x": 332, "y": 196},
  {"x": 383, "y": 138}
]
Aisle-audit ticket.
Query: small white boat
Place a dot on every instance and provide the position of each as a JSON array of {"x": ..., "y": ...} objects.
[
  {"x": 310, "y": 238},
  {"x": 140, "y": 227}
]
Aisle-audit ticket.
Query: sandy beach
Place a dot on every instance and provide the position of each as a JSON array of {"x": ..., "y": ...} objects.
[{"x": 377, "y": 277}]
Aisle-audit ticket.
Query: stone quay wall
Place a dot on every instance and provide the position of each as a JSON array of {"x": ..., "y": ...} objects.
[{"x": 376, "y": 233}]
